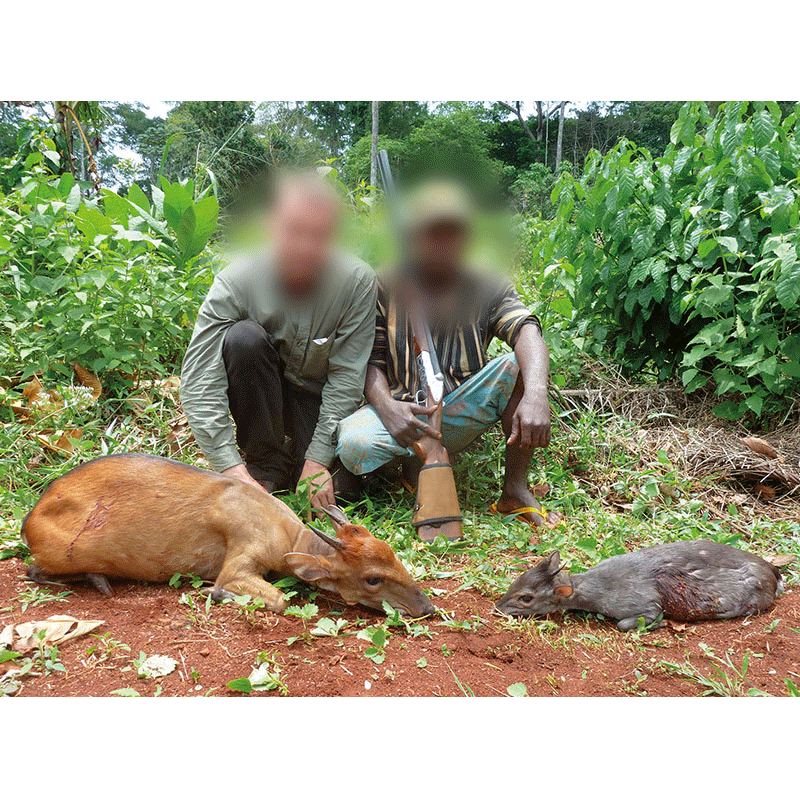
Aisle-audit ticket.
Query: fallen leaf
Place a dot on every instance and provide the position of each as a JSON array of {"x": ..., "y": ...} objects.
[
  {"x": 157, "y": 667},
  {"x": 541, "y": 490},
  {"x": 764, "y": 492},
  {"x": 40, "y": 400},
  {"x": 780, "y": 560},
  {"x": 57, "y": 629},
  {"x": 87, "y": 379},
  {"x": 760, "y": 446},
  {"x": 22, "y": 411},
  {"x": 179, "y": 434},
  {"x": 32, "y": 391},
  {"x": 65, "y": 444},
  {"x": 668, "y": 491}
]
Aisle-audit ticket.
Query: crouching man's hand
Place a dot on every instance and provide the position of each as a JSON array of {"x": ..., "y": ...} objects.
[
  {"x": 240, "y": 472},
  {"x": 530, "y": 425},
  {"x": 400, "y": 419},
  {"x": 320, "y": 485}
]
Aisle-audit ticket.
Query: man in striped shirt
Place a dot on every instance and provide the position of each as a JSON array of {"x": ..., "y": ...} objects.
[{"x": 465, "y": 310}]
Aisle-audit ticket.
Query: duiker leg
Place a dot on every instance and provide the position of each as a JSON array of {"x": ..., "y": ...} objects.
[
  {"x": 239, "y": 576},
  {"x": 255, "y": 586}
]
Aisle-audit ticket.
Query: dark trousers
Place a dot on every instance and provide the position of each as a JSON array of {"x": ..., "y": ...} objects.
[{"x": 275, "y": 420}]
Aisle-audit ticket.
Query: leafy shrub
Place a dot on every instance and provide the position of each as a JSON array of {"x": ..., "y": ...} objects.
[
  {"x": 532, "y": 188},
  {"x": 690, "y": 263},
  {"x": 111, "y": 283},
  {"x": 549, "y": 290}
]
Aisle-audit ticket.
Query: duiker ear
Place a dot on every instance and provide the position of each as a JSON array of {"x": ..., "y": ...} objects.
[
  {"x": 563, "y": 591},
  {"x": 307, "y": 567},
  {"x": 553, "y": 562},
  {"x": 337, "y": 517}
]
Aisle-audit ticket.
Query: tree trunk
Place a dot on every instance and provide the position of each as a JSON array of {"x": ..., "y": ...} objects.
[
  {"x": 373, "y": 166},
  {"x": 560, "y": 133},
  {"x": 546, "y": 133},
  {"x": 82, "y": 158},
  {"x": 517, "y": 109},
  {"x": 575, "y": 142},
  {"x": 540, "y": 121}
]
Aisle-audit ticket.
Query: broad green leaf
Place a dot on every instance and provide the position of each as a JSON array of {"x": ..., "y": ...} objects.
[
  {"x": 74, "y": 199},
  {"x": 7, "y": 655},
  {"x": 625, "y": 184},
  {"x": 92, "y": 223},
  {"x": 242, "y": 685},
  {"x": 755, "y": 403},
  {"x": 562, "y": 306},
  {"x": 642, "y": 241},
  {"x": 177, "y": 200},
  {"x": 728, "y": 244},
  {"x": 791, "y": 347},
  {"x": 69, "y": 252},
  {"x": 116, "y": 208},
  {"x": 728, "y": 409},
  {"x": 775, "y": 198},
  {"x": 787, "y": 289},
  {"x": 705, "y": 247},
  {"x": 639, "y": 272},
  {"x": 763, "y": 128},
  {"x": 658, "y": 215},
  {"x": 125, "y": 692},
  {"x": 206, "y": 212},
  {"x": 138, "y": 197}
]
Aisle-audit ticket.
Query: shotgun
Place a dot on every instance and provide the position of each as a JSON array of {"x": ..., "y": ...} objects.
[{"x": 436, "y": 511}]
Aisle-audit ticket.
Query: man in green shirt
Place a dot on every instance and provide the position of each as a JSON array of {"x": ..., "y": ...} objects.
[{"x": 281, "y": 344}]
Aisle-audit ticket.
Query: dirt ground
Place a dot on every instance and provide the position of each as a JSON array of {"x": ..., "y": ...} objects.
[{"x": 575, "y": 657}]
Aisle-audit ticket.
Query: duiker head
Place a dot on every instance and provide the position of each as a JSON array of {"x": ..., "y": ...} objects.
[
  {"x": 539, "y": 591},
  {"x": 361, "y": 568}
]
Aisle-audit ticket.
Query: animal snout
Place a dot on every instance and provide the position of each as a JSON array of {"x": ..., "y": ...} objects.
[{"x": 420, "y": 606}]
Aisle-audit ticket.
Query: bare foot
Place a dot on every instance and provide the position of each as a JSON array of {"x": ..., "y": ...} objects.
[{"x": 522, "y": 497}]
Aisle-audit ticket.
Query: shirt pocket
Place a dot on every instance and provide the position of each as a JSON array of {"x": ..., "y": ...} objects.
[{"x": 315, "y": 364}]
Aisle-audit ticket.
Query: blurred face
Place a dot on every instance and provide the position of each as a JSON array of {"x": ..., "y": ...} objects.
[
  {"x": 439, "y": 248},
  {"x": 304, "y": 224}
]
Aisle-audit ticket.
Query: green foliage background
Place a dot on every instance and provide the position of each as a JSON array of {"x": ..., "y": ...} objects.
[
  {"x": 111, "y": 283},
  {"x": 677, "y": 254},
  {"x": 689, "y": 263}
]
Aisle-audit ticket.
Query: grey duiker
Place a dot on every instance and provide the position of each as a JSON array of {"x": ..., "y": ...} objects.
[{"x": 686, "y": 581}]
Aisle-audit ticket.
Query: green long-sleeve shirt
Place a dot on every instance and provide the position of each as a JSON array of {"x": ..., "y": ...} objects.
[{"x": 324, "y": 342}]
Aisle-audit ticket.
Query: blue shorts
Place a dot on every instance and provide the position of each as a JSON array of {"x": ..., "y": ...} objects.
[{"x": 364, "y": 444}]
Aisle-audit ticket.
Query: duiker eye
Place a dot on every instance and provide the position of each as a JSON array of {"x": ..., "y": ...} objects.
[
  {"x": 373, "y": 581},
  {"x": 526, "y": 598}
]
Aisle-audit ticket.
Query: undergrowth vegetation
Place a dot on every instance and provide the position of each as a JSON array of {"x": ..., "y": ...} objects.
[{"x": 689, "y": 263}]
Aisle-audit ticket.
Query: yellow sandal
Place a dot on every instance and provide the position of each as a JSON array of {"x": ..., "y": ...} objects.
[{"x": 520, "y": 512}]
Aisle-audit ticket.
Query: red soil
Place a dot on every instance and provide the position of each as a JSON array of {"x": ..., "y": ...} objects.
[{"x": 574, "y": 656}]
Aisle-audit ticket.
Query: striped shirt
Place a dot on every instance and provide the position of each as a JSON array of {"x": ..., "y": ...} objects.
[{"x": 486, "y": 308}]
